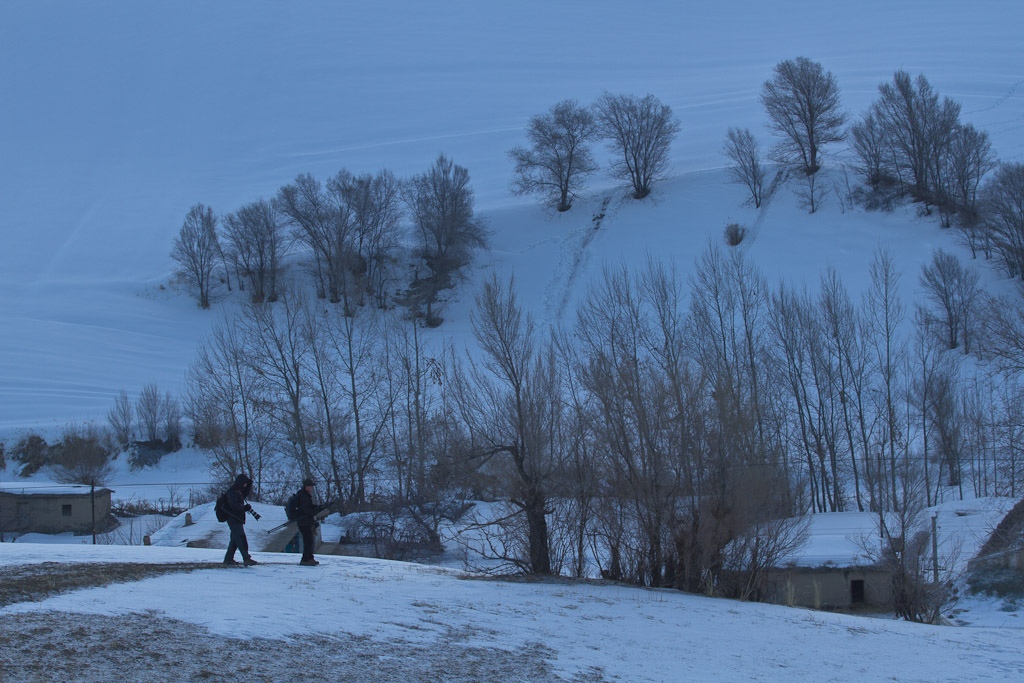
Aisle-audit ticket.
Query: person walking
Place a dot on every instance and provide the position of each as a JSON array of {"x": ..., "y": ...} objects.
[
  {"x": 306, "y": 521},
  {"x": 236, "y": 506}
]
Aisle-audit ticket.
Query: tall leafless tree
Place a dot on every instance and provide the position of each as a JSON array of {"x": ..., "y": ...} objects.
[
  {"x": 918, "y": 129},
  {"x": 510, "y": 403},
  {"x": 871, "y": 147},
  {"x": 447, "y": 232},
  {"x": 354, "y": 342},
  {"x": 1003, "y": 215},
  {"x": 277, "y": 351},
  {"x": 969, "y": 160},
  {"x": 884, "y": 315},
  {"x": 230, "y": 413},
  {"x": 747, "y": 166},
  {"x": 121, "y": 419},
  {"x": 256, "y": 237},
  {"x": 148, "y": 408},
  {"x": 376, "y": 209},
  {"x": 802, "y": 102},
  {"x": 170, "y": 413},
  {"x": 196, "y": 250},
  {"x": 631, "y": 364},
  {"x": 953, "y": 291},
  {"x": 558, "y": 160},
  {"x": 324, "y": 225},
  {"x": 640, "y": 131}
]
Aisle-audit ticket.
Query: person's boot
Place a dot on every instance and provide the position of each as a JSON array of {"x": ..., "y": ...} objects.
[
  {"x": 248, "y": 562},
  {"x": 309, "y": 563}
]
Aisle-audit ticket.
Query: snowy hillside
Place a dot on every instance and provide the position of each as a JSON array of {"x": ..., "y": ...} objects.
[{"x": 120, "y": 116}]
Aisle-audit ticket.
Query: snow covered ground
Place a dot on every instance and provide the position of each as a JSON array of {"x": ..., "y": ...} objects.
[{"x": 583, "y": 631}]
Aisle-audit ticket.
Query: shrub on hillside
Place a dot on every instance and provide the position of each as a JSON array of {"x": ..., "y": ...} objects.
[
  {"x": 32, "y": 452},
  {"x": 148, "y": 453},
  {"x": 734, "y": 234},
  {"x": 82, "y": 456}
]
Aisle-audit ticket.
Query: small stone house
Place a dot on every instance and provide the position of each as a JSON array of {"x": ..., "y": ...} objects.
[
  {"x": 833, "y": 570},
  {"x": 54, "y": 509},
  {"x": 829, "y": 587}
]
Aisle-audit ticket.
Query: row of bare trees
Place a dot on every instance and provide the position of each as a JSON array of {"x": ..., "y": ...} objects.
[
  {"x": 910, "y": 143},
  {"x": 559, "y": 160},
  {"x": 152, "y": 417},
  {"x": 300, "y": 388},
  {"x": 349, "y": 230},
  {"x": 657, "y": 440},
  {"x": 805, "y": 114}
]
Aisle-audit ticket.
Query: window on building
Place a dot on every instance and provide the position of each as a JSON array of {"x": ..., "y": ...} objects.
[{"x": 65, "y": 510}]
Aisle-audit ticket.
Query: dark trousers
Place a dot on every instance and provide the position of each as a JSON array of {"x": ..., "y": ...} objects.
[
  {"x": 238, "y": 540},
  {"x": 307, "y": 541}
]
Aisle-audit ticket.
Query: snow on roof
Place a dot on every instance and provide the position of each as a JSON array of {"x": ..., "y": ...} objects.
[
  {"x": 52, "y": 490},
  {"x": 851, "y": 539}
]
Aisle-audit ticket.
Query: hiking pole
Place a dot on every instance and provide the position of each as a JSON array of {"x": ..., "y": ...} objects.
[{"x": 280, "y": 526}]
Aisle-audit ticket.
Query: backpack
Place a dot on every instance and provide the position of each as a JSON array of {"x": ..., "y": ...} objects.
[
  {"x": 220, "y": 508},
  {"x": 291, "y": 508}
]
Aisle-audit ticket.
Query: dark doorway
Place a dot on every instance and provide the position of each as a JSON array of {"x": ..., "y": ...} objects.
[{"x": 857, "y": 592}]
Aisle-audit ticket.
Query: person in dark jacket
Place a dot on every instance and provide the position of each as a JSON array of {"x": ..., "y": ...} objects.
[
  {"x": 236, "y": 507},
  {"x": 307, "y": 521}
]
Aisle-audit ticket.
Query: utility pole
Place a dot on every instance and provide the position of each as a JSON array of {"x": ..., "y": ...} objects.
[
  {"x": 935, "y": 547},
  {"x": 92, "y": 504}
]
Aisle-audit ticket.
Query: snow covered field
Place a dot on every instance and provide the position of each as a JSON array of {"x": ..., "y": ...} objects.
[
  {"x": 584, "y": 632},
  {"x": 119, "y": 115}
]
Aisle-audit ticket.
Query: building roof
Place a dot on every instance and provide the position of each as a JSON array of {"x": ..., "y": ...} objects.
[{"x": 49, "y": 490}]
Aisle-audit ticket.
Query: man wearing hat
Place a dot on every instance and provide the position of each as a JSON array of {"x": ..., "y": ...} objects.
[
  {"x": 236, "y": 508},
  {"x": 307, "y": 521}
]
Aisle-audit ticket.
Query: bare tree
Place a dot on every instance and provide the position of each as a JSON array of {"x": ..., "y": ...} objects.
[
  {"x": 148, "y": 411},
  {"x": 797, "y": 334},
  {"x": 761, "y": 547},
  {"x": 969, "y": 160},
  {"x": 1003, "y": 215},
  {"x": 632, "y": 367},
  {"x": 359, "y": 385},
  {"x": 884, "y": 314},
  {"x": 1003, "y": 333},
  {"x": 953, "y": 291},
  {"x": 870, "y": 145},
  {"x": 447, "y": 233},
  {"x": 802, "y": 102},
  {"x": 945, "y": 418},
  {"x": 375, "y": 205},
  {"x": 640, "y": 131},
  {"x": 229, "y": 409},
  {"x": 918, "y": 130},
  {"x": 120, "y": 418},
  {"x": 748, "y": 168},
  {"x": 409, "y": 371},
  {"x": 256, "y": 236},
  {"x": 558, "y": 160},
  {"x": 196, "y": 250},
  {"x": 277, "y": 351},
  {"x": 323, "y": 223},
  {"x": 170, "y": 411},
  {"x": 81, "y": 458},
  {"x": 511, "y": 405},
  {"x": 846, "y": 378}
]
